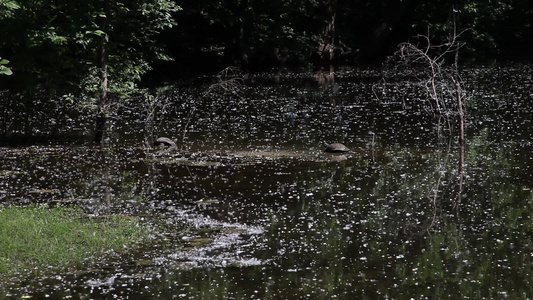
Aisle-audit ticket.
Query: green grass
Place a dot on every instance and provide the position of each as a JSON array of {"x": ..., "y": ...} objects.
[{"x": 33, "y": 237}]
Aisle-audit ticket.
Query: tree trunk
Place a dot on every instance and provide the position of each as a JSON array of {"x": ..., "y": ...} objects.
[
  {"x": 235, "y": 52},
  {"x": 326, "y": 48},
  {"x": 102, "y": 103}
]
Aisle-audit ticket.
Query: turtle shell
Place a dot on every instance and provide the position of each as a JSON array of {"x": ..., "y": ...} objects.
[
  {"x": 164, "y": 141},
  {"x": 336, "y": 148}
]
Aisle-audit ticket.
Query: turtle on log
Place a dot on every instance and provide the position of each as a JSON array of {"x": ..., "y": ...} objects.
[{"x": 336, "y": 148}]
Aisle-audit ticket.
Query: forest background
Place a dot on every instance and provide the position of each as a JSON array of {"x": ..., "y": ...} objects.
[{"x": 82, "y": 56}]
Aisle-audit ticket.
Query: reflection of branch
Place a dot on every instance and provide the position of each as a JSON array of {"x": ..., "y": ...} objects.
[
  {"x": 436, "y": 190},
  {"x": 189, "y": 117},
  {"x": 431, "y": 220},
  {"x": 198, "y": 187},
  {"x": 460, "y": 178}
]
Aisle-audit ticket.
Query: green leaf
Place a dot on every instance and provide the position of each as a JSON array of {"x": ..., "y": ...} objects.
[
  {"x": 5, "y": 71},
  {"x": 10, "y": 4},
  {"x": 97, "y": 32},
  {"x": 4, "y": 61}
]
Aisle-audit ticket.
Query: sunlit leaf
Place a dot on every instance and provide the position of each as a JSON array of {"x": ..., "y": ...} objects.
[{"x": 5, "y": 71}]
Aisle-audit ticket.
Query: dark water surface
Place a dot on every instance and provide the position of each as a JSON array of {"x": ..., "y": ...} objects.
[{"x": 251, "y": 208}]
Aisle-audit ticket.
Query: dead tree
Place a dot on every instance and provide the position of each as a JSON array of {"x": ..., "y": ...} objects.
[{"x": 440, "y": 78}]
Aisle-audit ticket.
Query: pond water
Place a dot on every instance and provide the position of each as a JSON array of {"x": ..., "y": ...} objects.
[{"x": 250, "y": 207}]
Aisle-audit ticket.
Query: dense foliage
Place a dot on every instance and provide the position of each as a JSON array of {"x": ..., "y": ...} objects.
[
  {"x": 54, "y": 42},
  {"x": 268, "y": 33},
  {"x": 76, "y": 52}
]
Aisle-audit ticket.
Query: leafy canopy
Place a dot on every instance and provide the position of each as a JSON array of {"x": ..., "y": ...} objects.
[{"x": 53, "y": 44}]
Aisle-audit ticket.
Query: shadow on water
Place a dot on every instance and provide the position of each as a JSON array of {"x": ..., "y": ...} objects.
[{"x": 250, "y": 206}]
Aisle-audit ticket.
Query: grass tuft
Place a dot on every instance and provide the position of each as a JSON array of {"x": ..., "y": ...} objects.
[{"x": 37, "y": 236}]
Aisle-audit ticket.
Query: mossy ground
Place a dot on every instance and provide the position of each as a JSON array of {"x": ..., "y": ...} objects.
[{"x": 37, "y": 236}]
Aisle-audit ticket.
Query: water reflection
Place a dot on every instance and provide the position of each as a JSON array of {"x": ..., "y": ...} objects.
[{"x": 252, "y": 207}]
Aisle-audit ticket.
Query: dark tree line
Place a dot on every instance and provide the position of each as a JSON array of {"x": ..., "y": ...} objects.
[
  {"x": 54, "y": 41},
  {"x": 260, "y": 33}
]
